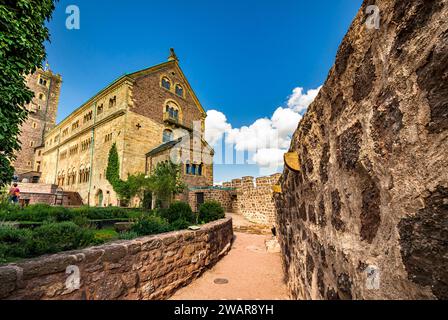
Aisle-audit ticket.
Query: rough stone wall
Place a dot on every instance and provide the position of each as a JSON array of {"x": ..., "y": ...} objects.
[
  {"x": 252, "y": 198},
  {"x": 372, "y": 193},
  {"x": 41, "y": 118},
  {"x": 255, "y": 199},
  {"x": 150, "y": 98},
  {"x": 35, "y": 193},
  {"x": 223, "y": 196},
  {"x": 147, "y": 268}
]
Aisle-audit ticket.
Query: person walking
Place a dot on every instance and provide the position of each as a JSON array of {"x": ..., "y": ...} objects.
[{"x": 14, "y": 194}]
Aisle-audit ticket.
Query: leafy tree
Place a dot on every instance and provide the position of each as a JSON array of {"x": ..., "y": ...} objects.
[
  {"x": 138, "y": 186},
  {"x": 22, "y": 34},
  {"x": 166, "y": 182}
]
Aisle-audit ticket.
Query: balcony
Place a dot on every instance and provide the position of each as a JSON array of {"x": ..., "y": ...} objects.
[{"x": 175, "y": 121}]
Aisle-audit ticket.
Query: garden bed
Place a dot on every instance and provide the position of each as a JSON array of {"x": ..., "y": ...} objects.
[{"x": 41, "y": 229}]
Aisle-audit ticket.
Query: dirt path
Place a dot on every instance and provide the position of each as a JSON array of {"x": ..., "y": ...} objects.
[{"x": 248, "y": 272}]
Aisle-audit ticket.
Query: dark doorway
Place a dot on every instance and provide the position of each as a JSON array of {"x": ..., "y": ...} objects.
[{"x": 199, "y": 200}]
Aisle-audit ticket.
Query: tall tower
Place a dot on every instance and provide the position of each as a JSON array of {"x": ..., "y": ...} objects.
[{"x": 41, "y": 118}]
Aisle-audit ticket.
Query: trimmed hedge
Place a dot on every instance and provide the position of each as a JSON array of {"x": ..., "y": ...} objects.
[
  {"x": 48, "y": 238},
  {"x": 211, "y": 211},
  {"x": 42, "y": 212},
  {"x": 57, "y": 237}
]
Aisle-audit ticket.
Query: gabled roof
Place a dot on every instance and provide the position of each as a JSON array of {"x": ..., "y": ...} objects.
[
  {"x": 134, "y": 75},
  {"x": 163, "y": 147},
  {"x": 172, "y": 63},
  {"x": 171, "y": 144}
]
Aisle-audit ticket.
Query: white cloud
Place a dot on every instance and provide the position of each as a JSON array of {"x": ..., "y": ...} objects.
[
  {"x": 215, "y": 126},
  {"x": 269, "y": 157},
  {"x": 299, "y": 102},
  {"x": 268, "y": 139},
  {"x": 285, "y": 121}
]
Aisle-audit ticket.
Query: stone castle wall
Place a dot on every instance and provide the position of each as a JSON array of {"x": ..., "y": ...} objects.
[
  {"x": 366, "y": 216},
  {"x": 147, "y": 268},
  {"x": 223, "y": 196},
  {"x": 252, "y": 198}
]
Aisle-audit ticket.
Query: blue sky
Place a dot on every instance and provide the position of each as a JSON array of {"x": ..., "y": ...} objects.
[{"x": 243, "y": 58}]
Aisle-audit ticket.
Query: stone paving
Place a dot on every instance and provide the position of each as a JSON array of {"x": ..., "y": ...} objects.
[{"x": 248, "y": 272}]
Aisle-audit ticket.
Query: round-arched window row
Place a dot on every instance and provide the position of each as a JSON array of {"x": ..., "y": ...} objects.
[
  {"x": 178, "y": 88},
  {"x": 194, "y": 169}
]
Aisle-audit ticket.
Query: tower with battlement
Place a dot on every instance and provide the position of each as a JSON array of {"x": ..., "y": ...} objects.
[{"x": 46, "y": 86}]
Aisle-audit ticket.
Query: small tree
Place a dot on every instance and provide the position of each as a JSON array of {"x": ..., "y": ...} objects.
[
  {"x": 22, "y": 34},
  {"x": 138, "y": 186},
  {"x": 166, "y": 182}
]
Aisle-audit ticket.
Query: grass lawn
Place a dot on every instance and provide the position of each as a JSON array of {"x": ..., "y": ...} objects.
[{"x": 107, "y": 234}]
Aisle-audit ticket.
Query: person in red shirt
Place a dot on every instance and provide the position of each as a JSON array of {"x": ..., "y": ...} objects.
[{"x": 14, "y": 194}]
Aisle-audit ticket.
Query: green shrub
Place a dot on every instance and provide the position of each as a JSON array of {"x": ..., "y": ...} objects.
[
  {"x": 180, "y": 225},
  {"x": 211, "y": 211},
  {"x": 57, "y": 237},
  {"x": 81, "y": 221},
  {"x": 15, "y": 242},
  {"x": 9, "y": 212},
  {"x": 150, "y": 225},
  {"x": 178, "y": 211},
  {"x": 44, "y": 212},
  {"x": 108, "y": 213}
]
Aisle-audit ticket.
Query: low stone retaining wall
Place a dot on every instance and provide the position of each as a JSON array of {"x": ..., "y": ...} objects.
[{"x": 146, "y": 268}]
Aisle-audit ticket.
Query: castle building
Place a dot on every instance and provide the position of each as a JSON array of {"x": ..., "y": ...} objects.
[
  {"x": 41, "y": 119},
  {"x": 146, "y": 114}
]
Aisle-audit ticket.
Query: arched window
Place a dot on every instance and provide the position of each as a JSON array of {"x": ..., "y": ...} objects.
[
  {"x": 172, "y": 111},
  {"x": 179, "y": 90},
  {"x": 200, "y": 168},
  {"x": 193, "y": 170},
  {"x": 112, "y": 102},
  {"x": 167, "y": 135},
  {"x": 166, "y": 83},
  {"x": 188, "y": 168}
]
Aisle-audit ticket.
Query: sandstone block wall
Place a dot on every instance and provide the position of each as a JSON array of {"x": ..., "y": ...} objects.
[
  {"x": 40, "y": 193},
  {"x": 372, "y": 193},
  {"x": 142, "y": 269},
  {"x": 223, "y": 196},
  {"x": 255, "y": 199},
  {"x": 252, "y": 198}
]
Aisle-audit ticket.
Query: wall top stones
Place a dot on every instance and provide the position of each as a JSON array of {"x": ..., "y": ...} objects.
[{"x": 249, "y": 182}]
